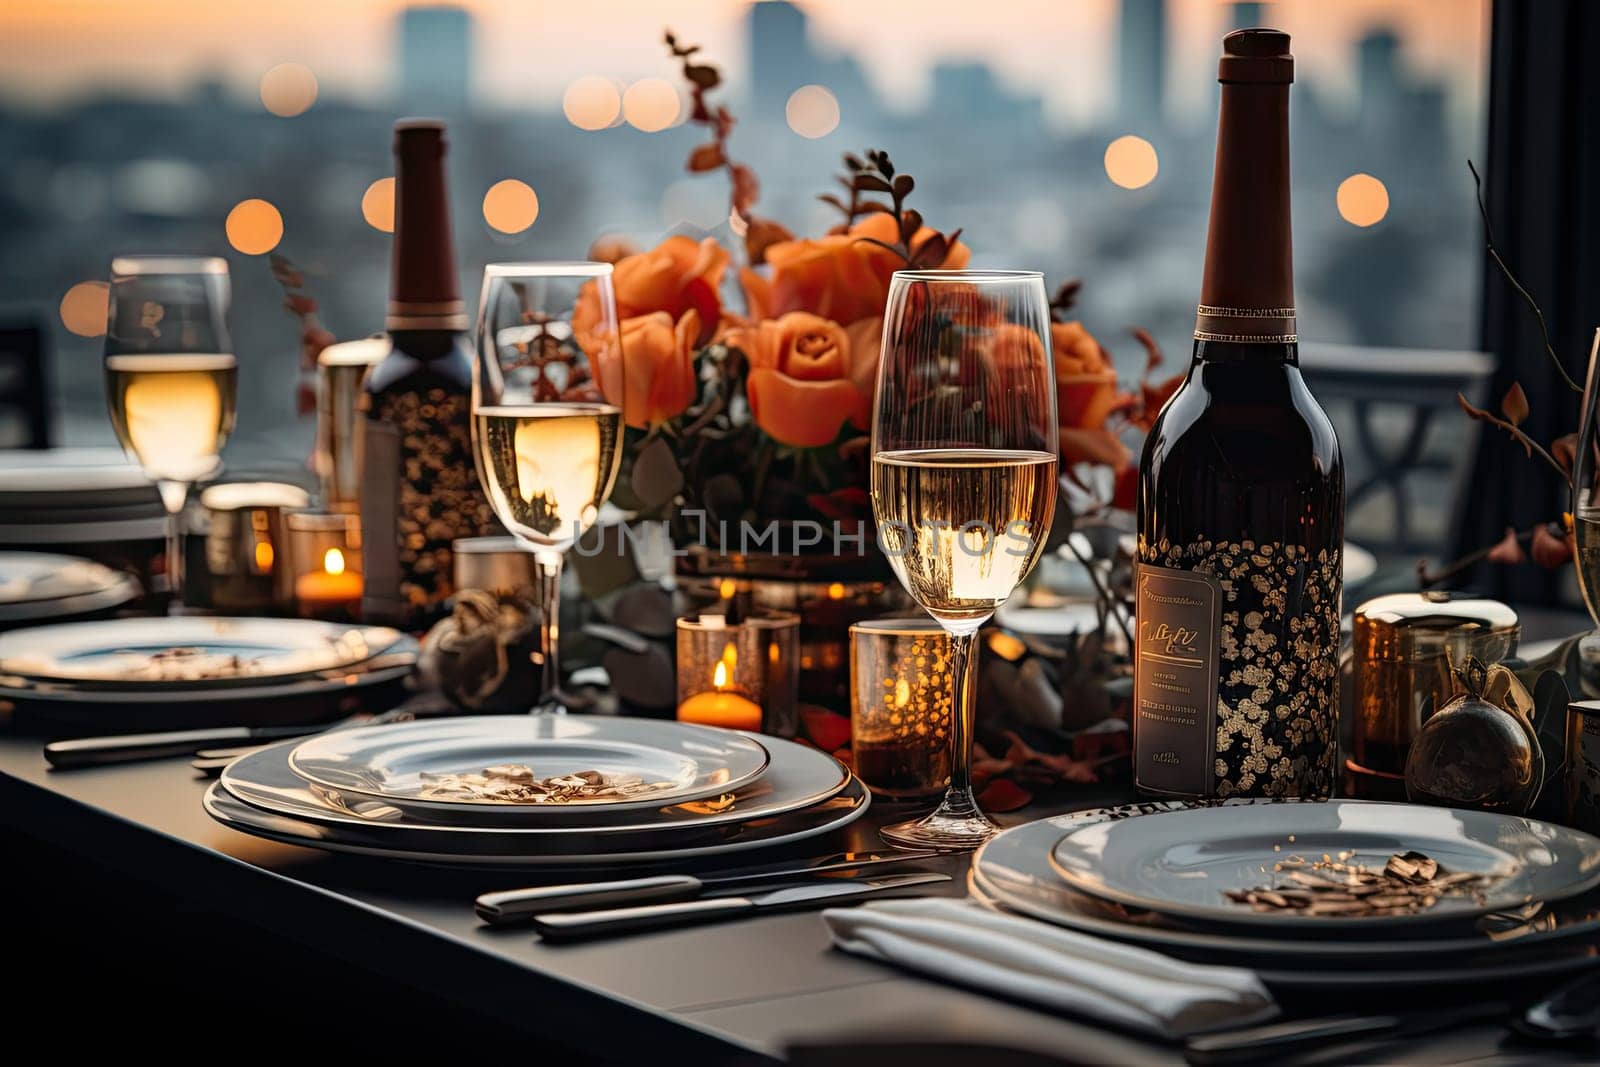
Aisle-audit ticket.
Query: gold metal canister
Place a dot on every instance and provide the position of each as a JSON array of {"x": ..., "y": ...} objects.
[{"x": 1405, "y": 647}]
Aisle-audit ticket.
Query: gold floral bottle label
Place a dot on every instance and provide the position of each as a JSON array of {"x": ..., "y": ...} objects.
[
  {"x": 1276, "y": 654},
  {"x": 1175, "y": 680}
]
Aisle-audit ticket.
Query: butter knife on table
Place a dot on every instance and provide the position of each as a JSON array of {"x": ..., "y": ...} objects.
[
  {"x": 608, "y": 922},
  {"x": 510, "y": 906}
]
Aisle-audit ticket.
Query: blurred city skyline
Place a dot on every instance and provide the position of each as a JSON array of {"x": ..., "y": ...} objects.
[
  {"x": 1074, "y": 138},
  {"x": 1063, "y": 50}
]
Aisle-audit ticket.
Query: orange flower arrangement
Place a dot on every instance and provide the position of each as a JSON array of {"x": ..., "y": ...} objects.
[{"x": 768, "y": 412}]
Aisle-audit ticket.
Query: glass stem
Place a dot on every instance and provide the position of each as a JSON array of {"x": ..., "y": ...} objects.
[
  {"x": 173, "y": 496},
  {"x": 547, "y": 595},
  {"x": 958, "y": 798}
]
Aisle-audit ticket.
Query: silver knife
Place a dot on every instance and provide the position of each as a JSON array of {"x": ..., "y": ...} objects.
[
  {"x": 510, "y": 906},
  {"x": 578, "y": 925}
]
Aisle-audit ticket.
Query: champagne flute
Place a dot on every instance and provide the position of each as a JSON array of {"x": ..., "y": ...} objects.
[
  {"x": 1586, "y": 517},
  {"x": 964, "y": 471},
  {"x": 547, "y": 401},
  {"x": 171, "y": 376}
]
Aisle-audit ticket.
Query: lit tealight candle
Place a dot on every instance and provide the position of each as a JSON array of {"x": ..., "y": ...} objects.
[
  {"x": 719, "y": 707},
  {"x": 333, "y": 588}
]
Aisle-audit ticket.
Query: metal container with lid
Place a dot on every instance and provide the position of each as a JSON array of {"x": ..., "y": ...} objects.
[
  {"x": 243, "y": 566},
  {"x": 1404, "y": 649}
]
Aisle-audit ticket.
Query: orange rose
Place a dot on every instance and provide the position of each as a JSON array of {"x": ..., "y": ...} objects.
[
  {"x": 676, "y": 275},
  {"x": 1086, "y": 383},
  {"x": 809, "y": 376},
  {"x": 839, "y": 277},
  {"x": 659, "y": 358}
]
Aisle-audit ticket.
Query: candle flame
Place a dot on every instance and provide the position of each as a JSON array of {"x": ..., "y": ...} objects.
[
  {"x": 719, "y": 677},
  {"x": 836, "y": 591},
  {"x": 333, "y": 561},
  {"x": 264, "y": 555},
  {"x": 902, "y": 693},
  {"x": 728, "y": 588}
]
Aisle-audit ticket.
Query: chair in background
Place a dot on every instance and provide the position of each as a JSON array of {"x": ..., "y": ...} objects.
[
  {"x": 24, "y": 391},
  {"x": 1406, "y": 442}
]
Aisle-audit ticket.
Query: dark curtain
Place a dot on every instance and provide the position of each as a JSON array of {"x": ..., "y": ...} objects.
[{"x": 1542, "y": 185}]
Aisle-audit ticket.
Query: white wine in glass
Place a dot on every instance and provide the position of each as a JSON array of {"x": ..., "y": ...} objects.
[
  {"x": 172, "y": 413},
  {"x": 548, "y": 467},
  {"x": 171, "y": 377},
  {"x": 547, "y": 421},
  {"x": 964, "y": 478},
  {"x": 959, "y": 525}
]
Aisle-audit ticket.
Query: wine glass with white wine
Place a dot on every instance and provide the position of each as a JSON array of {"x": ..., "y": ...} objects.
[
  {"x": 547, "y": 409},
  {"x": 964, "y": 470},
  {"x": 171, "y": 376},
  {"x": 1586, "y": 517}
]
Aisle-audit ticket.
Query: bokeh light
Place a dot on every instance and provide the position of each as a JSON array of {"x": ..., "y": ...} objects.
[
  {"x": 254, "y": 227},
  {"x": 812, "y": 111},
  {"x": 289, "y": 89},
  {"x": 1131, "y": 162},
  {"x": 510, "y": 206},
  {"x": 651, "y": 104},
  {"x": 83, "y": 309},
  {"x": 1363, "y": 200},
  {"x": 592, "y": 103},
  {"x": 377, "y": 205}
]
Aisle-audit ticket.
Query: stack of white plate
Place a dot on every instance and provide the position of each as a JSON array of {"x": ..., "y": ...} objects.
[
  {"x": 135, "y": 674},
  {"x": 1158, "y": 875},
  {"x": 374, "y": 791},
  {"x": 42, "y": 586}
]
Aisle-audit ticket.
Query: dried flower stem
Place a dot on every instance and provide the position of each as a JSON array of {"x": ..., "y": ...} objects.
[
  {"x": 1527, "y": 297},
  {"x": 1427, "y": 579},
  {"x": 1104, "y": 594}
]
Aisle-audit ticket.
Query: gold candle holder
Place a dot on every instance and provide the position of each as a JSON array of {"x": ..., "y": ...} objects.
[
  {"x": 246, "y": 566},
  {"x": 1405, "y": 649},
  {"x": 742, "y": 675},
  {"x": 340, "y": 369},
  {"x": 902, "y": 696},
  {"x": 325, "y": 558}
]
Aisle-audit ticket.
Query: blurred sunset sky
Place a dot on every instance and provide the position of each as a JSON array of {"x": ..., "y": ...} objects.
[{"x": 528, "y": 51}]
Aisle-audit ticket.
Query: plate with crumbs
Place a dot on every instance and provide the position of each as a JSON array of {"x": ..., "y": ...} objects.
[
  {"x": 1325, "y": 866},
  {"x": 531, "y": 764}
]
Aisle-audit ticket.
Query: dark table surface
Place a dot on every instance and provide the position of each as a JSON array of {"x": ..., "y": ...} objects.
[{"x": 736, "y": 991}]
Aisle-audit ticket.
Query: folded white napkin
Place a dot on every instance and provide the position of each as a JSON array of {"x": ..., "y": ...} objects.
[{"x": 969, "y": 945}]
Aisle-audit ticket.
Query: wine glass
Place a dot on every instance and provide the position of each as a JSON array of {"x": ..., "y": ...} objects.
[
  {"x": 547, "y": 399},
  {"x": 964, "y": 470},
  {"x": 1586, "y": 517},
  {"x": 171, "y": 376}
]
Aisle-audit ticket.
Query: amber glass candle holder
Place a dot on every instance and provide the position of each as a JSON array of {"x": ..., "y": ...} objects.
[
  {"x": 743, "y": 675},
  {"x": 902, "y": 695},
  {"x": 245, "y": 569},
  {"x": 325, "y": 554}
]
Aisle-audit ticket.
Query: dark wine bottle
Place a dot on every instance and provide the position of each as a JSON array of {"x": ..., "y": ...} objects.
[
  {"x": 1241, "y": 496},
  {"x": 419, "y": 486}
]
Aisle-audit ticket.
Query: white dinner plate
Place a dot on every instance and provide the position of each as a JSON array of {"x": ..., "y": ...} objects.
[
  {"x": 798, "y": 777},
  {"x": 1182, "y": 862},
  {"x": 187, "y": 652},
  {"x": 1014, "y": 869},
  {"x": 395, "y": 763}
]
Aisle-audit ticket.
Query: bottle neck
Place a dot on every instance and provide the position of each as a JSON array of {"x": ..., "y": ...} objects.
[
  {"x": 1225, "y": 353},
  {"x": 1247, "y": 293},
  {"x": 423, "y": 293}
]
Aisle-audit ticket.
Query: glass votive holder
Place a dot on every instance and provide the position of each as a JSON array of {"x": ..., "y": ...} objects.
[
  {"x": 325, "y": 555},
  {"x": 743, "y": 675},
  {"x": 902, "y": 695},
  {"x": 340, "y": 370},
  {"x": 245, "y": 568}
]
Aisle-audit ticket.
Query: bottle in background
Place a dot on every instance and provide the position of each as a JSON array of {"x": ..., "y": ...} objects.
[
  {"x": 419, "y": 487},
  {"x": 1241, "y": 496}
]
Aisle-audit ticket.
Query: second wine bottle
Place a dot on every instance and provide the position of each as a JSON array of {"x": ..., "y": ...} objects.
[{"x": 419, "y": 487}]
